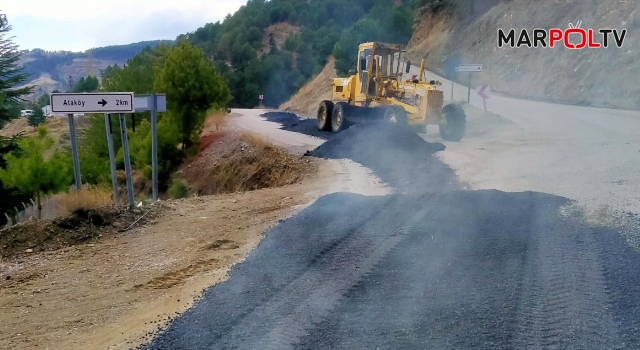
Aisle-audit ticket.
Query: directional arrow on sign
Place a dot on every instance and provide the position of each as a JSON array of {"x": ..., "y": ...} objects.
[{"x": 103, "y": 102}]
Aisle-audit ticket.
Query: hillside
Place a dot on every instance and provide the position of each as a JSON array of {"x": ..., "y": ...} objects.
[
  {"x": 51, "y": 70},
  {"x": 58, "y": 128},
  {"x": 305, "y": 102},
  {"x": 594, "y": 77},
  {"x": 446, "y": 35},
  {"x": 273, "y": 48}
]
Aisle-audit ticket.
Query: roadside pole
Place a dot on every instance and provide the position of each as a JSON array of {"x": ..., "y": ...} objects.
[
  {"x": 484, "y": 91},
  {"x": 154, "y": 146},
  {"x": 127, "y": 159},
  {"x": 153, "y": 103},
  {"x": 452, "y": 83},
  {"x": 470, "y": 68},
  {"x": 74, "y": 152},
  {"x": 112, "y": 158},
  {"x": 469, "y": 89}
]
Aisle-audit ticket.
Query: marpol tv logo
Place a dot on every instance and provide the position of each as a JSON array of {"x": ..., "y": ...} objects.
[{"x": 574, "y": 37}]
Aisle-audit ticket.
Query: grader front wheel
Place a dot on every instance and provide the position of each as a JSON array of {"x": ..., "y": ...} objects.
[{"x": 396, "y": 115}]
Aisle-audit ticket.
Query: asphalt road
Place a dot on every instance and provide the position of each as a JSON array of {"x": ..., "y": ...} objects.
[
  {"x": 432, "y": 267},
  {"x": 447, "y": 270}
]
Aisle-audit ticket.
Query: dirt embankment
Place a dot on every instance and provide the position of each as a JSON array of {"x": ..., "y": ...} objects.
[
  {"x": 232, "y": 160},
  {"x": 109, "y": 278},
  {"x": 305, "y": 102},
  {"x": 595, "y": 77}
]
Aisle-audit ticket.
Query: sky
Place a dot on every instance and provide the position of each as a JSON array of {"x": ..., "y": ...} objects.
[{"x": 78, "y": 25}]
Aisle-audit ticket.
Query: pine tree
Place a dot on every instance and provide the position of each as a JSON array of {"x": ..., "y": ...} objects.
[
  {"x": 31, "y": 172},
  {"x": 36, "y": 118},
  {"x": 11, "y": 73},
  {"x": 192, "y": 86}
]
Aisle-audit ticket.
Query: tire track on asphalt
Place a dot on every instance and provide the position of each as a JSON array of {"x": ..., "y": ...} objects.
[
  {"x": 308, "y": 299},
  {"x": 283, "y": 256},
  {"x": 565, "y": 301},
  {"x": 621, "y": 266}
]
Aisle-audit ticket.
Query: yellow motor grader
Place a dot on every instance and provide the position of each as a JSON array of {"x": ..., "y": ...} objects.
[{"x": 375, "y": 91}]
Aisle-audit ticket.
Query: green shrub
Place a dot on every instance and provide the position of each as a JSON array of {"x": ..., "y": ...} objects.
[{"x": 178, "y": 189}]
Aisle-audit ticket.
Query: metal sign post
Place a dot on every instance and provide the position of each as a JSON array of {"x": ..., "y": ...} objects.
[
  {"x": 470, "y": 68},
  {"x": 469, "y": 89},
  {"x": 112, "y": 157},
  {"x": 74, "y": 153},
  {"x": 127, "y": 159},
  {"x": 261, "y": 97},
  {"x": 452, "y": 84},
  {"x": 154, "y": 146}
]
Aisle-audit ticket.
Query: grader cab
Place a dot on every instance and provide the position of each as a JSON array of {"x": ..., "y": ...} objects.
[{"x": 376, "y": 90}]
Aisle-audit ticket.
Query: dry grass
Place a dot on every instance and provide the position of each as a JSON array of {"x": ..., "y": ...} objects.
[
  {"x": 216, "y": 120},
  {"x": 90, "y": 197},
  {"x": 235, "y": 162},
  {"x": 57, "y": 128},
  {"x": 256, "y": 139},
  {"x": 261, "y": 165}
]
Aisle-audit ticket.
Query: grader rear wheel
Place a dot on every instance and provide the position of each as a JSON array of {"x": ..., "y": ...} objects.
[
  {"x": 338, "y": 117},
  {"x": 324, "y": 115}
]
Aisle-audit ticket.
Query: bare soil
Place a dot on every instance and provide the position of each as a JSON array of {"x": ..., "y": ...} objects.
[
  {"x": 280, "y": 32},
  {"x": 113, "y": 292},
  {"x": 82, "y": 226}
]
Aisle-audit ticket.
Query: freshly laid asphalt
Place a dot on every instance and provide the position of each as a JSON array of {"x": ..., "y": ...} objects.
[{"x": 430, "y": 267}]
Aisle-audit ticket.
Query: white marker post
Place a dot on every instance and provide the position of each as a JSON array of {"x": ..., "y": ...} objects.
[
  {"x": 470, "y": 68},
  {"x": 70, "y": 103},
  {"x": 484, "y": 92}
]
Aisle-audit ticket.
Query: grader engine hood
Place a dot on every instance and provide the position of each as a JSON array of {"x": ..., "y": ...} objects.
[
  {"x": 340, "y": 88},
  {"x": 433, "y": 97}
]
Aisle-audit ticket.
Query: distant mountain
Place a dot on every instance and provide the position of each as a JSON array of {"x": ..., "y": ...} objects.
[{"x": 49, "y": 70}]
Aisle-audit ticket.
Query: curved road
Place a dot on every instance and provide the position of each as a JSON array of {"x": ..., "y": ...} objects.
[
  {"x": 449, "y": 269},
  {"x": 588, "y": 154}
]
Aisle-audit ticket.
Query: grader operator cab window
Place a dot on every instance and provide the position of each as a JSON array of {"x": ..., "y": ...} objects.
[{"x": 364, "y": 62}]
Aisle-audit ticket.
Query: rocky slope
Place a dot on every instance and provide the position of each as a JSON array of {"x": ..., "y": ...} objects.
[{"x": 593, "y": 77}]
